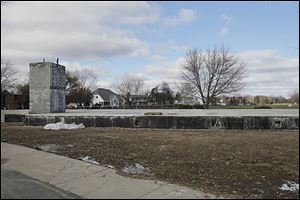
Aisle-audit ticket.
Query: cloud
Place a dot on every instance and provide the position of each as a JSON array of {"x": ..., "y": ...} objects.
[
  {"x": 76, "y": 30},
  {"x": 166, "y": 69},
  {"x": 226, "y": 18},
  {"x": 97, "y": 70},
  {"x": 157, "y": 58},
  {"x": 104, "y": 84},
  {"x": 224, "y": 31},
  {"x": 31, "y": 31},
  {"x": 185, "y": 16},
  {"x": 266, "y": 61},
  {"x": 269, "y": 73}
]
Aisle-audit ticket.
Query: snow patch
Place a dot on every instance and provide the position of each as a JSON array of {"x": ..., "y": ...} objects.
[
  {"x": 137, "y": 169},
  {"x": 290, "y": 186},
  {"x": 62, "y": 125},
  {"x": 89, "y": 160}
]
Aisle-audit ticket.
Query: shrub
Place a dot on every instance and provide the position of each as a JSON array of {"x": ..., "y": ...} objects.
[
  {"x": 198, "y": 106},
  {"x": 180, "y": 106},
  {"x": 263, "y": 107}
]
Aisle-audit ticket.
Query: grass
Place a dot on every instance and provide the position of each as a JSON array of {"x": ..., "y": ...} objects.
[
  {"x": 273, "y": 106},
  {"x": 230, "y": 163}
]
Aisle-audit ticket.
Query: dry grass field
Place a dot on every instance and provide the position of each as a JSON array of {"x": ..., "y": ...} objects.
[{"x": 231, "y": 163}]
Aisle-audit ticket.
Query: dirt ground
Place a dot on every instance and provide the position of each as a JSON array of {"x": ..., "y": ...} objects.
[{"x": 231, "y": 163}]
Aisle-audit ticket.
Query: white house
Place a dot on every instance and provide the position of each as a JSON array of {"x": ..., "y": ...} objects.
[
  {"x": 97, "y": 100},
  {"x": 106, "y": 98}
]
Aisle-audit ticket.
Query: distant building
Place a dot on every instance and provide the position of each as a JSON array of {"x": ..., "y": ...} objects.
[
  {"x": 263, "y": 99},
  {"x": 139, "y": 100},
  {"x": 185, "y": 100},
  {"x": 106, "y": 98},
  {"x": 235, "y": 100}
]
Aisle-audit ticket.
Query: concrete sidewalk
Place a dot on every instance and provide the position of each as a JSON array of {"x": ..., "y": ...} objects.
[
  {"x": 15, "y": 185},
  {"x": 89, "y": 180}
]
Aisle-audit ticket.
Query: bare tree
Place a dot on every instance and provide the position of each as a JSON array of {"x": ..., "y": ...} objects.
[
  {"x": 8, "y": 75},
  {"x": 8, "y": 79},
  {"x": 162, "y": 94},
  {"x": 79, "y": 87},
  {"x": 130, "y": 84},
  {"x": 71, "y": 81},
  {"x": 294, "y": 97},
  {"x": 215, "y": 72},
  {"x": 86, "y": 79}
]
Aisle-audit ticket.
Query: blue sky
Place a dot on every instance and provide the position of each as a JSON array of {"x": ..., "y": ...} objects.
[{"x": 150, "y": 38}]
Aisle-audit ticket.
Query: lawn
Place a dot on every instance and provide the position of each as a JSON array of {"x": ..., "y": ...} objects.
[{"x": 273, "y": 106}]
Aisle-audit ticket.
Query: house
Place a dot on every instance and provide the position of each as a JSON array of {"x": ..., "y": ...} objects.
[
  {"x": 106, "y": 98},
  {"x": 261, "y": 99},
  {"x": 139, "y": 100},
  {"x": 186, "y": 100}
]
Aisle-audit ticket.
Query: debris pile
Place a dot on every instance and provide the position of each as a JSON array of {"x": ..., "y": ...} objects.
[
  {"x": 290, "y": 186},
  {"x": 62, "y": 125},
  {"x": 137, "y": 169}
]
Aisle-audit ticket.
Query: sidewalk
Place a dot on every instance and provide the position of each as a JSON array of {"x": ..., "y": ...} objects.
[
  {"x": 15, "y": 185},
  {"x": 88, "y": 180}
]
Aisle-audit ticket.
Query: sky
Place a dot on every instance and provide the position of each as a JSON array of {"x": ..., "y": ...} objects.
[{"x": 150, "y": 39}]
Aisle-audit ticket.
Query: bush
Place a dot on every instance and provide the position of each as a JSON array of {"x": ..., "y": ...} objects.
[
  {"x": 263, "y": 107},
  {"x": 97, "y": 106},
  {"x": 198, "y": 106},
  {"x": 180, "y": 106}
]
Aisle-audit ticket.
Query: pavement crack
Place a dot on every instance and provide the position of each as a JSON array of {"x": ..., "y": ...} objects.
[{"x": 59, "y": 171}]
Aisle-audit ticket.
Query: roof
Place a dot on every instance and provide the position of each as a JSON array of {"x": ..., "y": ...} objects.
[{"x": 105, "y": 94}]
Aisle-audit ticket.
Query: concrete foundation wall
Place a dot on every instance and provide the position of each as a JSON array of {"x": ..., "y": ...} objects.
[
  {"x": 47, "y": 88},
  {"x": 57, "y": 88},
  {"x": 57, "y": 101},
  {"x": 169, "y": 122},
  {"x": 39, "y": 88}
]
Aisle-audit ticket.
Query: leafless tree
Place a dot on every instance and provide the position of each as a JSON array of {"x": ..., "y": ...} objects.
[
  {"x": 8, "y": 79},
  {"x": 130, "y": 84},
  {"x": 79, "y": 87},
  {"x": 8, "y": 75},
  {"x": 294, "y": 96},
  {"x": 211, "y": 73},
  {"x": 86, "y": 79}
]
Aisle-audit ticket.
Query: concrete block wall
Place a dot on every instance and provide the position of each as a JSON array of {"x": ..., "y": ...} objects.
[
  {"x": 168, "y": 122},
  {"x": 46, "y": 88}
]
